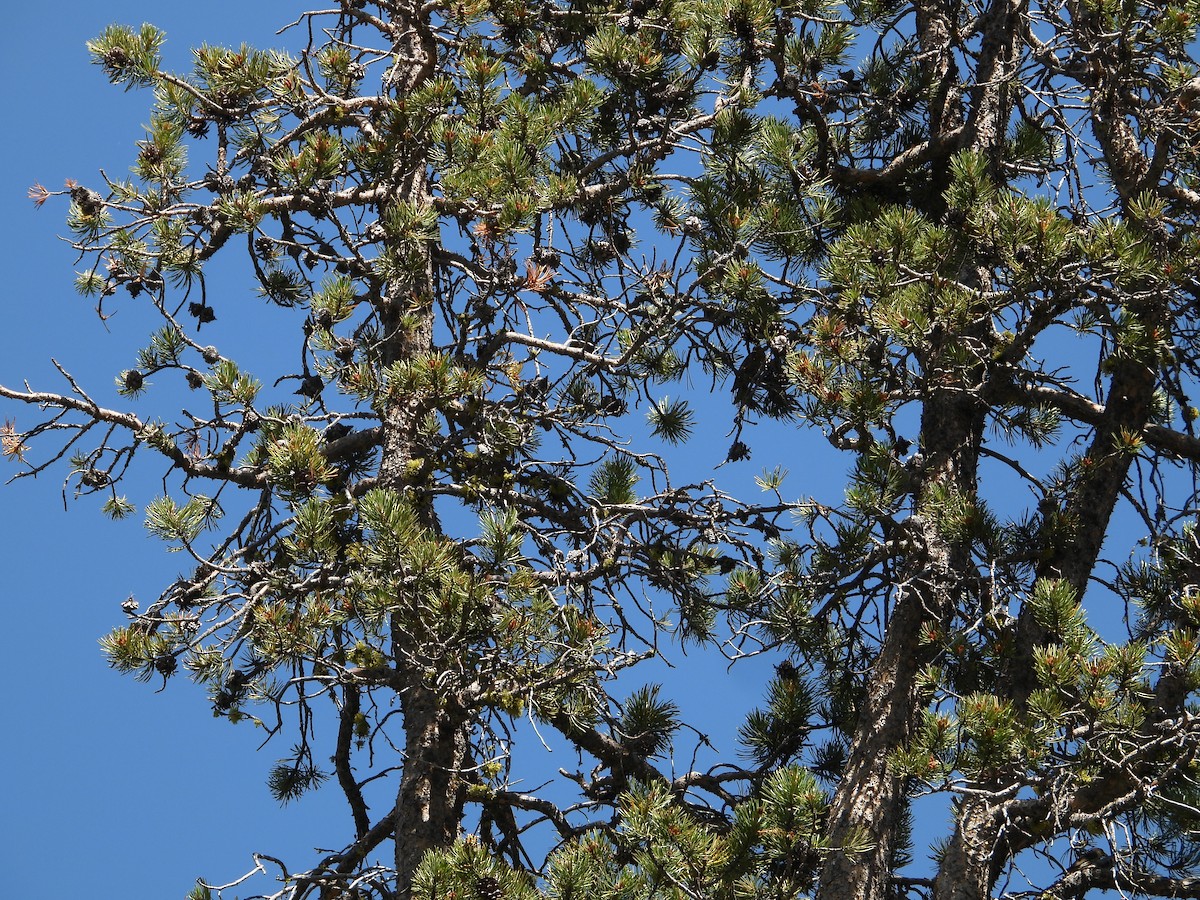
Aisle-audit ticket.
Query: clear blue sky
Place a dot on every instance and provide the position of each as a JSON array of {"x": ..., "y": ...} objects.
[{"x": 109, "y": 787}]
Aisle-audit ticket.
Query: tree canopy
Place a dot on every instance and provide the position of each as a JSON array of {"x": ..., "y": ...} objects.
[{"x": 516, "y": 255}]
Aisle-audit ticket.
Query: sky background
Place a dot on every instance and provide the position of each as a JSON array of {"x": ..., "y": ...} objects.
[{"x": 108, "y": 785}]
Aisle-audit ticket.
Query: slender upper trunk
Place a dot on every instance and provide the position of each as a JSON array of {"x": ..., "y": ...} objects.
[{"x": 429, "y": 799}]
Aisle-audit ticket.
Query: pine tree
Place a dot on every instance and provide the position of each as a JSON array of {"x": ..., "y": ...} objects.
[
  {"x": 434, "y": 525},
  {"x": 957, "y": 240}
]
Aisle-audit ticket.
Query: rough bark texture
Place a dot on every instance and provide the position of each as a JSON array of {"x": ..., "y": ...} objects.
[
  {"x": 429, "y": 804},
  {"x": 429, "y": 799},
  {"x": 868, "y": 804}
]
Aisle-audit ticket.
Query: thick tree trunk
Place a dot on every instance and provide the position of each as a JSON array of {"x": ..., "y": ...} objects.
[
  {"x": 430, "y": 797},
  {"x": 977, "y": 851},
  {"x": 868, "y": 804},
  {"x": 975, "y": 857},
  {"x": 969, "y": 865},
  {"x": 429, "y": 802}
]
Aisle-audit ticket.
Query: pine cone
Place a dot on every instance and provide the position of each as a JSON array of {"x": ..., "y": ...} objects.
[{"x": 488, "y": 888}]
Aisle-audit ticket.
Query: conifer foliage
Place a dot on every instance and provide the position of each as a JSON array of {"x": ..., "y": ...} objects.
[{"x": 509, "y": 249}]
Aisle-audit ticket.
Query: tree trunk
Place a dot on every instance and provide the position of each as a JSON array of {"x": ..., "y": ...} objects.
[
  {"x": 868, "y": 804},
  {"x": 970, "y": 865},
  {"x": 429, "y": 802},
  {"x": 975, "y": 856}
]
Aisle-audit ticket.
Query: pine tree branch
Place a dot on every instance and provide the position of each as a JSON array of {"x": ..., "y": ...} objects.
[
  {"x": 624, "y": 763},
  {"x": 351, "y": 704},
  {"x": 1080, "y": 409},
  {"x": 1097, "y": 870},
  {"x": 245, "y": 477},
  {"x": 901, "y": 164}
]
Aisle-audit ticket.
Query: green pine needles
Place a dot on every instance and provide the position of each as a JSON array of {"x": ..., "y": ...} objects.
[{"x": 549, "y": 276}]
